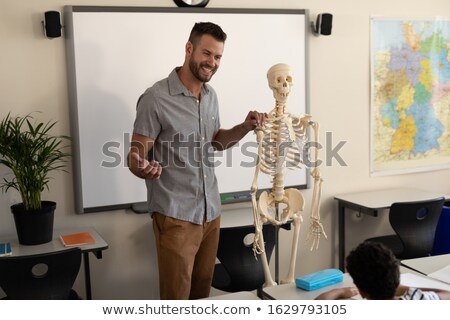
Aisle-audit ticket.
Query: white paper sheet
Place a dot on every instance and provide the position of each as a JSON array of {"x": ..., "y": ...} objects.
[
  {"x": 417, "y": 281},
  {"x": 442, "y": 274}
]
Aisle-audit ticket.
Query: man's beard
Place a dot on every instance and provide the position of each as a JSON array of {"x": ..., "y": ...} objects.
[{"x": 195, "y": 69}]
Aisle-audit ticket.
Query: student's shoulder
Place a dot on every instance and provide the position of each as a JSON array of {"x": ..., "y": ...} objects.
[{"x": 419, "y": 294}]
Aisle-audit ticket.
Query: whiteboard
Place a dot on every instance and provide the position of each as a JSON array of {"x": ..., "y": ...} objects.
[{"x": 115, "y": 53}]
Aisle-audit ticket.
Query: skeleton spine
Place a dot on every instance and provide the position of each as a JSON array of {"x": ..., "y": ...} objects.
[{"x": 281, "y": 165}]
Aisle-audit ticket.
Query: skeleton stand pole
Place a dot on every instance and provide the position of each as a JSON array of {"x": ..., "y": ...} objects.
[{"x": 277, "y": 247}]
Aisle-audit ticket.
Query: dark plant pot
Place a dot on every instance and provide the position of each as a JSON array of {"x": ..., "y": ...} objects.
[{"x": 34, "y": 226}]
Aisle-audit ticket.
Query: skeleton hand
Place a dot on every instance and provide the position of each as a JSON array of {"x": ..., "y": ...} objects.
[
  {"x": 257, "y": 250},
  {"x": 315, "y": 232},
  {"x": 315, "y": 173}
]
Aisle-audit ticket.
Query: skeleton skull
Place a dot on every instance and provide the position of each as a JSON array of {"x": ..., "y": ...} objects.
[{"x": 280, "y": 81}]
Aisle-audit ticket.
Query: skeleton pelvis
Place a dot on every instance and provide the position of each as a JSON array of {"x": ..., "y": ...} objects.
[{"x": 293, "y": 203}]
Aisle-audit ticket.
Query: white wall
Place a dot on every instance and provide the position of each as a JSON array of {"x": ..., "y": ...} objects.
[{"x": 33, "y": 77}]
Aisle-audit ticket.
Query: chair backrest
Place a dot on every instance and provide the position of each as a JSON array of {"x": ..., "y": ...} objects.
[
  {"x": 41, "y": 276},
  {"x": 442, "y": 236},
  {"x": 415, "y": 224},
  {"x": 236, "y": 255}
]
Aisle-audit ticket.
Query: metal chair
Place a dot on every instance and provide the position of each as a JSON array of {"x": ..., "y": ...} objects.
[
  {"x": 415, "y": 225},
  {"x": 238, "y": 269},
  {"x": 41, "y": 276}
]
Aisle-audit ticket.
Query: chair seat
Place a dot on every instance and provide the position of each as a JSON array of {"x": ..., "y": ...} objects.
[{"x": 392, "y": 241}]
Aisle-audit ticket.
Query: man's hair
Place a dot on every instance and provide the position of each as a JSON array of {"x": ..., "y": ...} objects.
[
  {"x": 374, "y": 269},
  {"x": 202, "y": 28}
]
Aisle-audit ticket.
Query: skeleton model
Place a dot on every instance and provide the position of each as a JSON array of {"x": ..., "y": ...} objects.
[{"x": 281, "y": 141}]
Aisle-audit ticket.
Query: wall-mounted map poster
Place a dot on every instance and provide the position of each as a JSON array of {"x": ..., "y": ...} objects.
[{"x": 410, "y": 95}]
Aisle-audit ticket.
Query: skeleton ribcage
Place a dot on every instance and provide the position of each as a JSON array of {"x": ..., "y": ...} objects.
[{"x": 282, "y": 147}]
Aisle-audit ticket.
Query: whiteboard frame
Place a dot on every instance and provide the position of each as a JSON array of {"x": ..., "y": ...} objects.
[{"x": 70, "y": 11}]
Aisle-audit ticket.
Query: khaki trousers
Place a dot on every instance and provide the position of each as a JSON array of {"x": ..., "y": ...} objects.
[{"x": 186, "y": 256}]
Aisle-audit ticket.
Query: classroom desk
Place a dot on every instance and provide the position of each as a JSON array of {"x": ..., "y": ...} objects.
[
  {"x": 56, "y": 245},
  {"x": 427, "y": 265},
  {"x": 372, "y": 203},
  {"x": 236, "y": 218},
  {"x": 241, "y": 295},
  {"x": 291, "y": 292}
]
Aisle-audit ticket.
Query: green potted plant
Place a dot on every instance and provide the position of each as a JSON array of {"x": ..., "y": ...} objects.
[{"x": 31, "y": 152}]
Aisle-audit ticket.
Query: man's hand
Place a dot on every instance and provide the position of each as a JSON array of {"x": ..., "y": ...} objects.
[
  {"x": 254, "y": 119},
  {"x": 226, "y": 138},
  {"x": 146, "y": 169}
]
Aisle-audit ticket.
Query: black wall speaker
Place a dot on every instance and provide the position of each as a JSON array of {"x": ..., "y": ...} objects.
[
  {"x": 323, "y": 25},
  {"x": 52, "y": 24},
  {"x": 191, "y": 3}
]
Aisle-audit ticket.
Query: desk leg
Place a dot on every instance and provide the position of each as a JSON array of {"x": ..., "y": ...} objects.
[
  {"x": 341, "y": 232},
  {"x": 87, "y": 276}
]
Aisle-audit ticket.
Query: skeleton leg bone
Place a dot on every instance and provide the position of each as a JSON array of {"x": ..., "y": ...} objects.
[
  {"x": 296, "y": 205},
  {"x": 268, "y": 281},
  {"x": 290, "y": 275},
  {"x": 294, "y": 200}
]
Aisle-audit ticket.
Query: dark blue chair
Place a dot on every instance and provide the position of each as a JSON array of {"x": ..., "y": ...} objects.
[
  {"x": 414, "y": 224},
  {"x": 442, "y": 237}
]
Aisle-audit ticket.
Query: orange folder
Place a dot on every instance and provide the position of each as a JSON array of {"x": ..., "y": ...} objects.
[{"x": 76, "y": 239}]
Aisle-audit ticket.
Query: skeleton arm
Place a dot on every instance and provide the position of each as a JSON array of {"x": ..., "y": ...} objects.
[
  {"x": 316, "y": 228},
  {"x": 257, "y": 249}
]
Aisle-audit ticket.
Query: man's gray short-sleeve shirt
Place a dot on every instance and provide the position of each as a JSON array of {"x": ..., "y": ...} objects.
[{"x": 182, "y": 128}]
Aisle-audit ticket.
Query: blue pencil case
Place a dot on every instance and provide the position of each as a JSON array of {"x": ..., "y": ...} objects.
[{"x": 319, "y": 279}]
